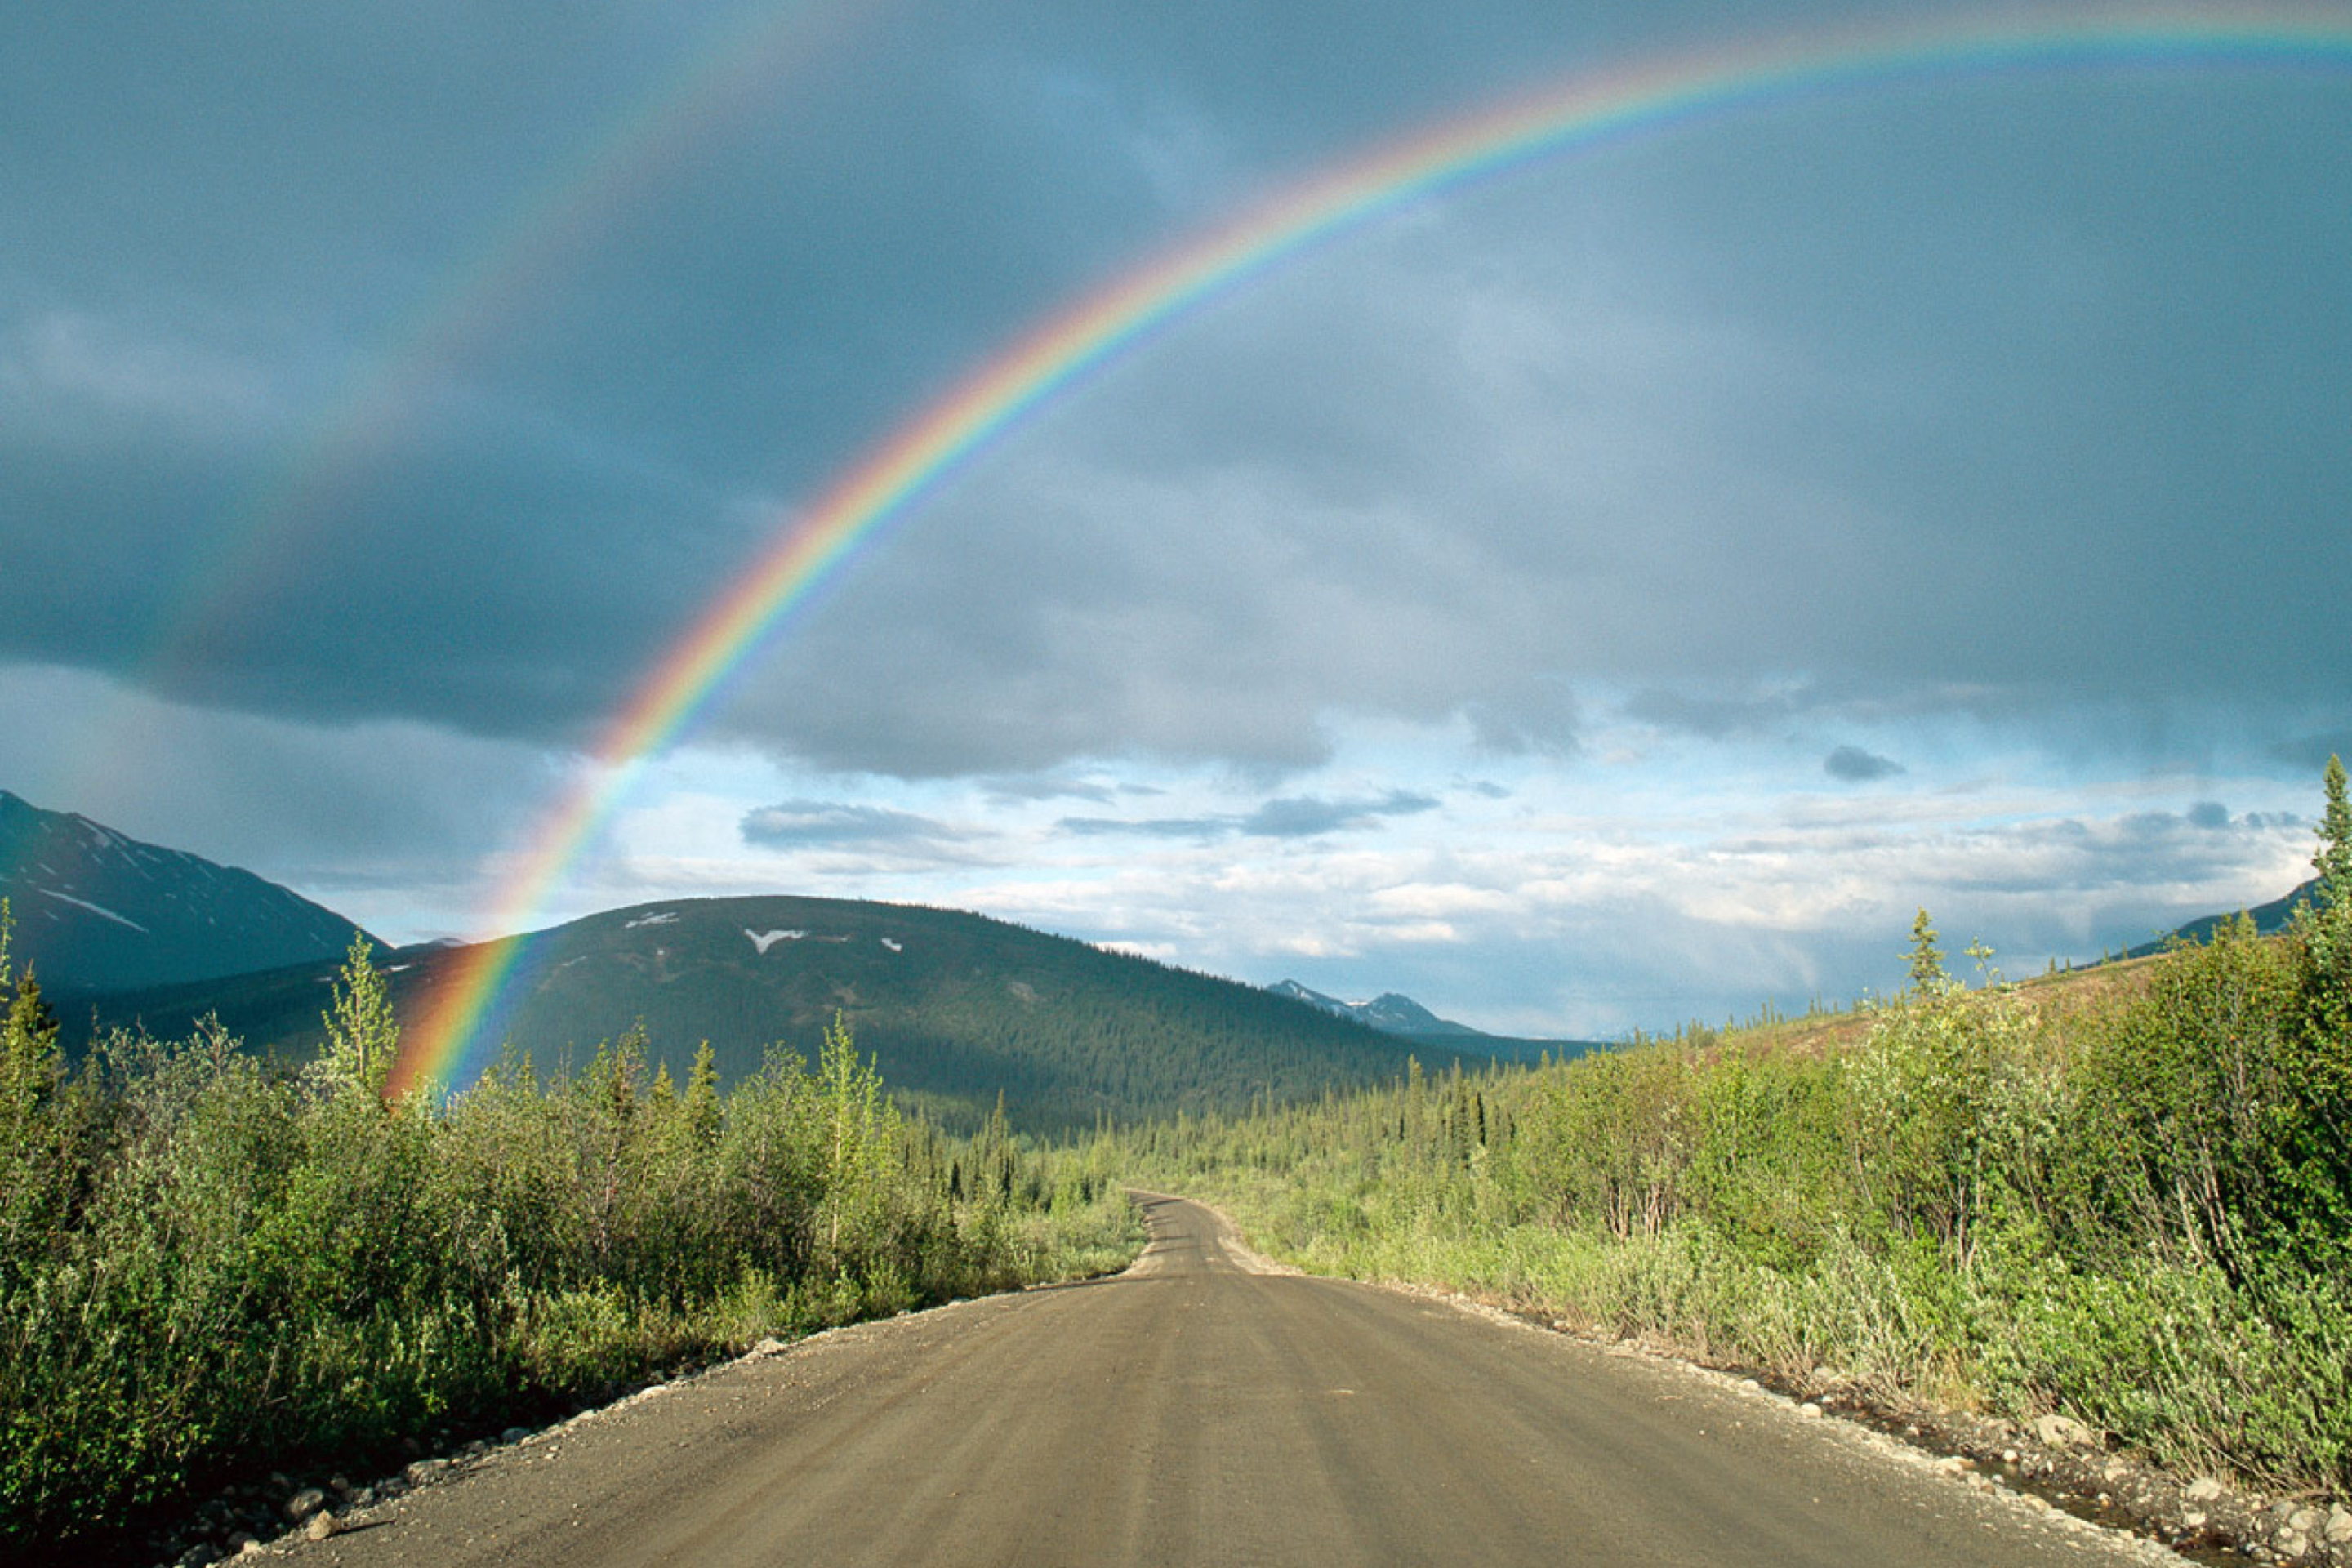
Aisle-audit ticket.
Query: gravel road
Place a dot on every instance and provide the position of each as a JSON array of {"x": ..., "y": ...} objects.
[{"x": 1203, "y": 1408}]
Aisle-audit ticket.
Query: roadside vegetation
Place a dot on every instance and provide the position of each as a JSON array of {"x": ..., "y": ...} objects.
[
  {"x": 2124, "y": 1196},
  {"x": 210, "y": 1265},
  {"x": 2127, "y": 1203}
]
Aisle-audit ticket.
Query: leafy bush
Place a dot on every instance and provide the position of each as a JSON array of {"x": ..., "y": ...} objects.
[
  {"x": 2139, "y": 1212},
  {"x": 208, "y": 1265}
]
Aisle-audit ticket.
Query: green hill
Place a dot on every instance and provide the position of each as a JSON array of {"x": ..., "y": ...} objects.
[
  {"x": 958, "y": 1007},
  {"x": 2269, "y": 920}
]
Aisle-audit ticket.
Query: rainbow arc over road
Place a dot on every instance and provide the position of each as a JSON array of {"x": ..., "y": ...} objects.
[{"x": 1628, "y": 101}]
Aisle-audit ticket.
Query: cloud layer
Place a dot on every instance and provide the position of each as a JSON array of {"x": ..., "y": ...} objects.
[{"x": 382, "y": 392}]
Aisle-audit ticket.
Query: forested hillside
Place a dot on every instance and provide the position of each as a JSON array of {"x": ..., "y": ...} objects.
[{"x": 957, "y": 1007}]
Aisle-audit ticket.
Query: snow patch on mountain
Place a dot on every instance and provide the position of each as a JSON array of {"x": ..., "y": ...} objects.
[
  {"x": 764, "y": 940},
  {"x": 118, "y": 914},
  {"x": 93, "y": 908}
]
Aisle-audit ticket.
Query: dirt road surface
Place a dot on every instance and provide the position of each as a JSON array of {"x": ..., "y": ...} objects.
[{"x": 1201, "y": 1409}]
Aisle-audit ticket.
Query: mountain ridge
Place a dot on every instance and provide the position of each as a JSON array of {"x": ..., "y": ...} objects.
[
  {"x": 956, "y": 1007},
  {"x": 1391, "y": 1012},
  {"x": 96, "y": 910}
]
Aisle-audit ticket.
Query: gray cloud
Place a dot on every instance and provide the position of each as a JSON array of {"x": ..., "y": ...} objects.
[
  {"x": 1854, "y": 765},
  {"x": 1202, "y": 828},
  {"x": 1526, "y": 717},
  {"x": 2209, "y": 814},
  {"x": 364, "y": 391},
  {"x": 1715, "y": 716},
  {"x": 339, "y": 813},
  {"x": 1309, "y": 816},
  {"x": 1290, "y": 817},
  {"x": 2311, "y": 752},
  {"x": 1007, "y": 790},
  {"x": 814, "y": 823}
]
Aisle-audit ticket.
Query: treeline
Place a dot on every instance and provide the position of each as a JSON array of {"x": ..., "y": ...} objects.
[
  {"x": 957, "y": 1008},
  {"x": 2135, "y": 1209},
  {"x": 1169, "y": 1043},
  {"x": 210, "y": 1265}
]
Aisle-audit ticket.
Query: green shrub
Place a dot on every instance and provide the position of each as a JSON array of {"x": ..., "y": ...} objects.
[
  {"x": 2139, "y": 1213},
  {"x": 207, "y": 1265}
]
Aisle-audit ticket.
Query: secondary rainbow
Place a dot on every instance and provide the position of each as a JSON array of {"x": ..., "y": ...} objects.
[
  {"x": 390, "y": 387},
  {"x": 1645, "y": 99}
]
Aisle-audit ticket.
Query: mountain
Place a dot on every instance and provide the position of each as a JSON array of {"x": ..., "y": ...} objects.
[
  {"x": 1393, "y": 1013},
  {"x": 2269, "y": 920},
  {"x": 957, "y": 1007},
  {"x": 1389, "y": 1012},
  {"x": 95, "y": 910}
]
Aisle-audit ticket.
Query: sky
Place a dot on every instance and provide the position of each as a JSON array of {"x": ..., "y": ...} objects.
[{"x": 1619, "y": 590}]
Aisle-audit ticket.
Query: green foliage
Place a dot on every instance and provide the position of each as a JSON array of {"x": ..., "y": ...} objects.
[
  {"x": 1927, "y": 975},
  {"x": 2333, "y": 859},
  {"x": 2325, "y": 924},
  {"x": 209, "y": 1265},
  {"x": 2139, "y": 1212},
  {"x": 361, "y": 1037}
]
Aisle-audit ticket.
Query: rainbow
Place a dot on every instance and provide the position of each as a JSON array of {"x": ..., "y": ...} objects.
[{"x": 1641, "y": 99}]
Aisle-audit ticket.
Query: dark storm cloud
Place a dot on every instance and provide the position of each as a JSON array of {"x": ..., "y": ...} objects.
[
  {"x": 356, "y": 271},
  {"x": 1854, "y": 765},
  {"x": 495, "y": 587},
  {"x": 1862, "y": 409}
]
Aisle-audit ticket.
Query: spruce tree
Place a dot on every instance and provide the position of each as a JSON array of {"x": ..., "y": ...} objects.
[
  {"x": 1927, "y": 976},
  {"x": 31, "y": 1063},
  {"x": 2326, "y": 922},
  {"x": 2332, "y": 858}
]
